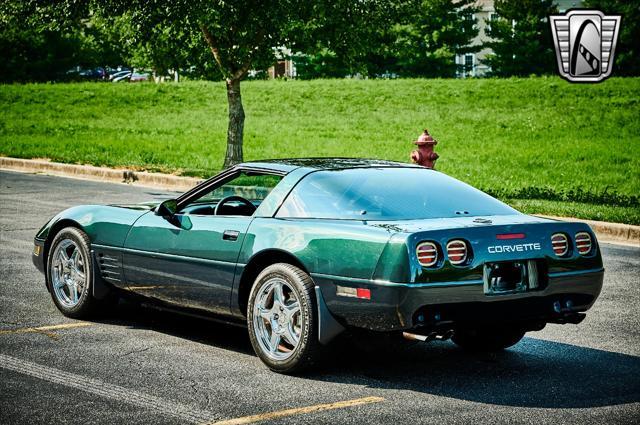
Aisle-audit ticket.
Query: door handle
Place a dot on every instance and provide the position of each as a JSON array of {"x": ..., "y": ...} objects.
[{"x": 230, "y": 235}]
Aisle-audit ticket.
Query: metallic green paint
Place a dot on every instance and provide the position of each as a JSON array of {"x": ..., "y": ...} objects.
[
  {"x": 343, "y": 248},
  {"x": 193, "y": 261},
  {"x": 105, "y": 225},
  {"x": 187, "y": 259}
]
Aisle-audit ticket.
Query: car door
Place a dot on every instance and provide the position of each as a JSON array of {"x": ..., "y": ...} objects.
[
  {"x": 189, "y": 258},
  {"x": 191, "y": 265}
]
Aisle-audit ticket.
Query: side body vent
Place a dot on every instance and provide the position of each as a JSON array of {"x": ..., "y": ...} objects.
[{"x": 109, "y": 263}]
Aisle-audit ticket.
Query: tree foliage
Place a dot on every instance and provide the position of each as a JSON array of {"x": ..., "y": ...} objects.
[
  {"x": 246, "y": 34},
  {"x": 340, "y": 38},
  {"x": 522, "y": 43},
  {"x": 38, "y": 43},
  {"x": 627, "y": 56},
  {"x": 437, "y": 31},
  {"x": 407, "y": 38}
]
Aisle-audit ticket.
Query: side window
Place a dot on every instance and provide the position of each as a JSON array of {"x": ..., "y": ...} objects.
[
  {"x": 332, "y": 195},
  {"x": 251, "y": 187}
]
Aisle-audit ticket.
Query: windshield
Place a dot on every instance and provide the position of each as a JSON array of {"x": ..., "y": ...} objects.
[{"x": 387, "y": 194}]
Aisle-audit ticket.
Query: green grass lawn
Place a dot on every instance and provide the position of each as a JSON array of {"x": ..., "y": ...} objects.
[{"x": 570, "y": 149}]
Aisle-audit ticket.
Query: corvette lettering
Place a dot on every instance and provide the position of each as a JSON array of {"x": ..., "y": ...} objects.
[{"x": 496, "y": 249}]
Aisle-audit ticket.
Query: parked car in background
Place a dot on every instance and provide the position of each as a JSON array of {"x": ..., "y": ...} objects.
[
  {"x": 87, "y": 74},
  {"x": 137, "y": 77},
  {"x": 122, "y": 76},
  {"x": 118, "y": 74}
]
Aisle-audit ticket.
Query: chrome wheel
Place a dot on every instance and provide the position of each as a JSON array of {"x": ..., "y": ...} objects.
[
  {"x": 68, "y": 273},
  {"x": 277, "y": 319}
]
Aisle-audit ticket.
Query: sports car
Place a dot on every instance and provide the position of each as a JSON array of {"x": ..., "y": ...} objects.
[{"x": 303, "y": 250}]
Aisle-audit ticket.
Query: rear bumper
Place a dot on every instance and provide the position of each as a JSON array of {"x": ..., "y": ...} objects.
[{"x": 395, "y": 306}]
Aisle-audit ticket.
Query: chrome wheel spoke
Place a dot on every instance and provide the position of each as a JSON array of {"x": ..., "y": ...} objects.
[
  {"x": 73, "y": 293},
  {"x": 76, "y": 263},
  {"x": 63, "y": 256},
  {"x": 292, "y": 309},
  {"x": 278, "y": 294},
  {"x": 274, "y": 342},
  {"x": 78, "y": 274},
  {"x": 58, "y": 283},
  {"x": 290, "y": 335},
  {"x": 74, "y": 257},
  {"x": 264, "y": 313}
]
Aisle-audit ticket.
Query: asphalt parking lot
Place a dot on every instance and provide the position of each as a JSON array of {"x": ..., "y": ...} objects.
[{"x": 144, "y": 366}]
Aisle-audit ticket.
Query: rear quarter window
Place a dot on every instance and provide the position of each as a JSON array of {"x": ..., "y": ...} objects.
[{"x": 387, "y": 194}]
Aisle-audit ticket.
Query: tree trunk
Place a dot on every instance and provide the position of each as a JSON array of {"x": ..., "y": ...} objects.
[{"x": 236, "y": 124}]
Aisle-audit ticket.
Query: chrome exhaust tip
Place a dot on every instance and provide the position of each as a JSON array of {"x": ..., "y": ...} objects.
[{"x": 432, "y": 336}]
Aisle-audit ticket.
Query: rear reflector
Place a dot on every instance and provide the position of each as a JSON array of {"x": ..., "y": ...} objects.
[
  {"x": 457, "y": 252},
  {"x": 427, "y": 254},
  {"x": 560, "y": 244},
  {"x": 363, "y": 293},
  {"x": 583, "y": 243},
  {"x": 345, "y": 291},
  {"x": 505, "y": 236}
]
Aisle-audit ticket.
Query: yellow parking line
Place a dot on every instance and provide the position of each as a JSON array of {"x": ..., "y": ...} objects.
[
  {"x": 45, "y": 329},
  {"x": 299, "y": 411}
]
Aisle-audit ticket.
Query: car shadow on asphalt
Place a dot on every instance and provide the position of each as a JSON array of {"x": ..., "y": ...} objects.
[
  {"x": 133, "y": 315},
  {"x": 534, "y": 373}
]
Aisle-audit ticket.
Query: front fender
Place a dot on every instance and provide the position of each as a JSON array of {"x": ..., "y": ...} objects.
[{"x": 105, "y": 225}]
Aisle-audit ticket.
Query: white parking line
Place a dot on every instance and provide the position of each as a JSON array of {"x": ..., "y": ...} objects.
[
  {"x": 106, "y": 390},
  {"x": 158, "y": 405}
]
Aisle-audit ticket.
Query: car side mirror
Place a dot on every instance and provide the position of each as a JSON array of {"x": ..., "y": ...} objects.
[{"x": 167, "y": 208}]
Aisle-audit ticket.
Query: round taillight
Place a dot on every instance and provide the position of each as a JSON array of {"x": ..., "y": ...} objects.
[
  {"x": 583, "y": 243},
  {"x": 457, "y": 252},
  {"x": 427, "y": 254},
  {"x": 560, "y": 244}
]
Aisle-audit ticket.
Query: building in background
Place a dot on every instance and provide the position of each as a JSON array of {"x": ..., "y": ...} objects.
[
  {"x": 284, "y": 67},
  {"x": 564, "y": 5},
  {"x": 471, "y": 64}
]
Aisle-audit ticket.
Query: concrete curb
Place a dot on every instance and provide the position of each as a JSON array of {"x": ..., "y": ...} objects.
[
  {"x": 624, "y": 234},
  {"x": 141, "y": 178}
]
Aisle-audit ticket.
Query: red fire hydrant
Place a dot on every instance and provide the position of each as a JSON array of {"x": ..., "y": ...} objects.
[{"x": 425, "y": 155}]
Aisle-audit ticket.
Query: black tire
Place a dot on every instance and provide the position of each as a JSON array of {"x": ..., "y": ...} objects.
[
  {"x": 87, "y": 305},
  {"x": 487, "y": 340},
  {"x": 307, "y": 353}
]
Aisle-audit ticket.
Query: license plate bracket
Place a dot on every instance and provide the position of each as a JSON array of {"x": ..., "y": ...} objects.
[{"x": 510, "y": 277}]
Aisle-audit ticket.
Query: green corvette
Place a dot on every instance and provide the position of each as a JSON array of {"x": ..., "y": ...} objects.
[{"x": 303, "y": 250}]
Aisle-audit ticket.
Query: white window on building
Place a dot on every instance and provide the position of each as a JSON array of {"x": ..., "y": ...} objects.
[
  {"x": 492, "y": 18},
  {"x": 470, "y": 18},
  {"x": 469, "y": 64}
]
